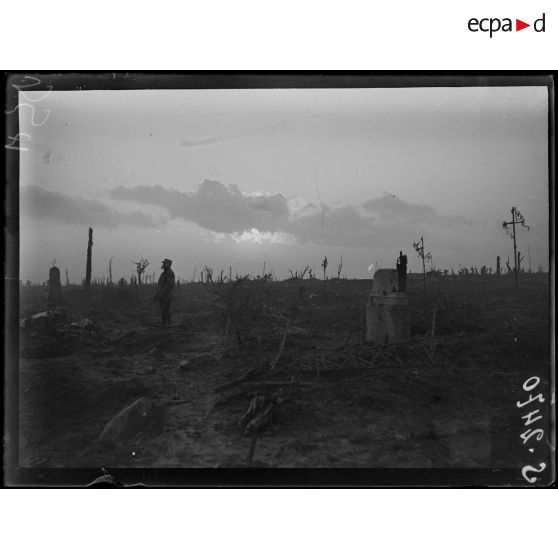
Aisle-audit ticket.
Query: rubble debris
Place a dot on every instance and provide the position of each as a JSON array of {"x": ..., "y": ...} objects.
[
  {"x": 257, "y": 403},
  {"x": 239, "y": 388},
  {"x": 128, "y": 422},
  {"x": 198, "y": 361},
  {"x": 430, "y": 349},
  {"x": 85, "y": 323},
  {"x": 281, "y": 346},
  {"x": 260, "y": 420},
  {"x": 203, "y": 359},
  {"x": 48, "y": 319},
  {"x": 248, "y": 374},
  {"x": 258, "y": 416},
  {"x": 156, "y": 352},
  {"x": 273, "y": 384}
]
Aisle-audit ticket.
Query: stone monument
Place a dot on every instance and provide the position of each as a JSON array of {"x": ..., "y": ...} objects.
[
  {"x": 54, "y": 287},
  {"x": 388, "y": 316}
]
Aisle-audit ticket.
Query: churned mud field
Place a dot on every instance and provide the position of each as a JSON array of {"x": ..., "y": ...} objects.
[{"x": 278, "y": 374}]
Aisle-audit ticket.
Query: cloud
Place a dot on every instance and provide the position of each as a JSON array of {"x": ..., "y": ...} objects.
[
  {"x": 214, "y": 206},
  {"x": 254, "y": 236},
  {"x": 200, "y": 142},
  {"x": 258, "y": 216},
  {"x": 390, "y": 207},
  {"x": 271, "y": 217},
  {"x": 39, "y": 203}
]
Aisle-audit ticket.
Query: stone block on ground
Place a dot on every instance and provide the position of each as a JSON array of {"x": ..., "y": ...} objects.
[
  {"x": 388, "y": 318},
  {"x": 44, "y": 320},
  {"x": 385, "y": 281}
]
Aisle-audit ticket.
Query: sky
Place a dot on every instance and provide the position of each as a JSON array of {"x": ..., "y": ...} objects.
[{"x": 236, "y": 178}]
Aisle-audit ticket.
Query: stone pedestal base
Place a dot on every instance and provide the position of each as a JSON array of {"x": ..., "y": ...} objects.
[{"x": 388, "y": 318}]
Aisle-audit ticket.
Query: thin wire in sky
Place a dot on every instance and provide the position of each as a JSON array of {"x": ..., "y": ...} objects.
[{"x": 319, "y": 198}]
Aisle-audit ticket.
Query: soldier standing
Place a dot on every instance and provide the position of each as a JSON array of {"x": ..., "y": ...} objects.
[
  {"x": 402, "y": 273},
  {"x": 165, "y": 291}
]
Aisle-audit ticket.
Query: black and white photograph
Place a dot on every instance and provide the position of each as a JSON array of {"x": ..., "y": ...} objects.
[{"x": 304, "y": 276}]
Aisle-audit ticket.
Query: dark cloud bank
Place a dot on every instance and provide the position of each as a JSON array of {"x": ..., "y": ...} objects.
[
  {"x": 39, "y": 203},
  {"x": 225, "y": 209}
]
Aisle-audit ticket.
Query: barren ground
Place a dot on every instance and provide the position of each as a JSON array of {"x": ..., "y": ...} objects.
[{"x": 456, "y": 410}]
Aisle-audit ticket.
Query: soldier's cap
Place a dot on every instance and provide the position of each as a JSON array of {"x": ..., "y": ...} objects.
[{"x": 167, "y": 261}]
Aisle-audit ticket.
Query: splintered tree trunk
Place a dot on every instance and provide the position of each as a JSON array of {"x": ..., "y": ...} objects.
[
  {"x": 498, "y": 269},
  {"x": 514, "y": 249},
  {"x": 423, "y": 273},
  {"x": 88, "y": 268},
  {"x": 110, "y": 271}
]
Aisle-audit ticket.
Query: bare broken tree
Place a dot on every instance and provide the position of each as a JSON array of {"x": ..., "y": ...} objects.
[
  {"x": 340, "y": 268},
  {"x": 88, "y": 264},
  {"x": 207, "y": 275},
  {"x": 517, "y": 219},
  {"x": 299, "y": 274},
  {"x": 110, "y": 271},
  {"x": 424, "y": 256},
  {"x": 324, "y": 267},
  {"x": 140, "y": 268}
]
